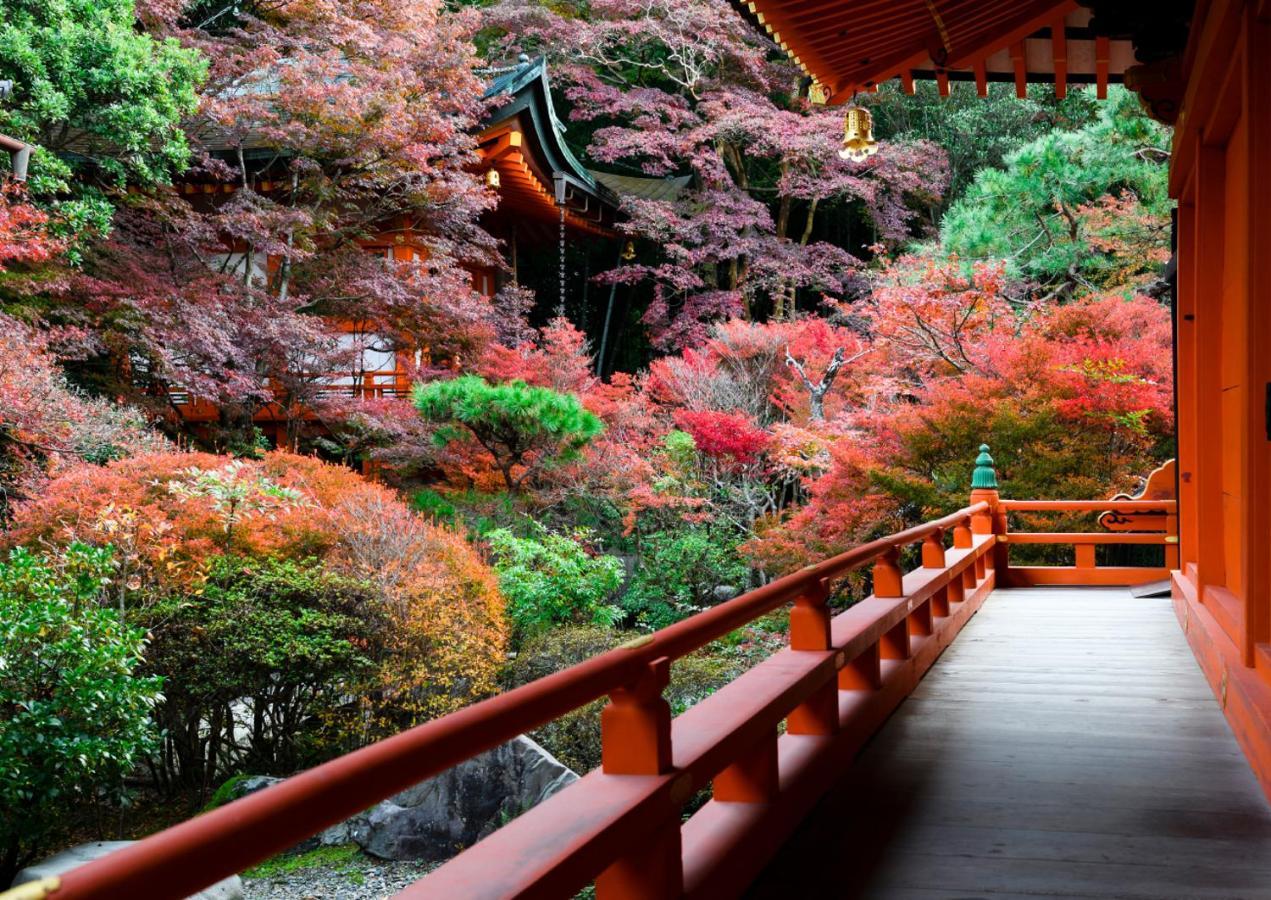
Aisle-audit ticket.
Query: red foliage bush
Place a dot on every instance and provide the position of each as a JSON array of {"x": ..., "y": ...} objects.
[
  {"x": 728, "y": 436},
  {"x": 447, "y": 635},
  {"x": 45, "y": 426}
]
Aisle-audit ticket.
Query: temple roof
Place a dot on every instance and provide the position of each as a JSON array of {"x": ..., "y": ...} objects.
[
  {"x": 524, "y": 140},
  {"x": 850, "y": 46},
  {"x": 641, "y": 187}
]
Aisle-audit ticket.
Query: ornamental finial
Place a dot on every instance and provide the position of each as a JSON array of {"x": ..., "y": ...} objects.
[{"x": 984, "y": 476}]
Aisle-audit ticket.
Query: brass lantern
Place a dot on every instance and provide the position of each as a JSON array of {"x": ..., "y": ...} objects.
[
  {"x": 818, "y": 94},
  {"x": 629, "y": 251},
  {"x": 858, "y": 135},
  {"x": 492, "y": 178}
]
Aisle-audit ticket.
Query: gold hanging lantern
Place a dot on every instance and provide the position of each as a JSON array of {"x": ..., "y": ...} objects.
[
  {"x": 492, "y": 178},
  {"x": 818, "y": 94},
  {"x": 858, "y": 135},
  {"x": 628, "y": 251}
]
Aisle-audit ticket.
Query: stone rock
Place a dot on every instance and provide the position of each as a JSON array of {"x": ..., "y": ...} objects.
[
  {"x": 229, "y": 889},
  {"x": 335, "y": 836},
  {"x": 723, "y": 592},
  {"x": 435, "y": 819}
]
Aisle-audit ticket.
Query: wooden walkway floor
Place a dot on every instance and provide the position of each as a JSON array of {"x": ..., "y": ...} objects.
[{"x": 1065, "y": 745}]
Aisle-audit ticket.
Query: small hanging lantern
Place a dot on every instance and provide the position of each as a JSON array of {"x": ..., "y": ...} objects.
[
  {"x": 858, "y": 135},
  {"x": 818, "y": 94},
  {"x": 492, "y": 178},
  {"x": 628, "y": 251}
]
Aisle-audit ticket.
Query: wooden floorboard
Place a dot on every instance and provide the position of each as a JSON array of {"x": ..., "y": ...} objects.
[{"x": 1065, "y": 745}]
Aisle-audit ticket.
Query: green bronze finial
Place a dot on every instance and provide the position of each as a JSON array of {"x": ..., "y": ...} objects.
[{"x": 984, "y": 476}]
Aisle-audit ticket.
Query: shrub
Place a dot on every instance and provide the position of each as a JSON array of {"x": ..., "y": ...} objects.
[
  {"x": 266, "y": 657},
  {"x": 443, "y": 636},
  {"x": 678, "y": 573},
  {"x": 447, "y": 636},
  {"x": 45, "y": 426},
  {"x": 551, "y": 580},
  {"x": 76, "y": 714},
  {"x": 433, "y": 505},
  {"x": 523, "y": 429}
]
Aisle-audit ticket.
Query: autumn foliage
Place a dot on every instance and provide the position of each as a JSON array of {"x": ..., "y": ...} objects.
[{"x": 446, "y": 636}]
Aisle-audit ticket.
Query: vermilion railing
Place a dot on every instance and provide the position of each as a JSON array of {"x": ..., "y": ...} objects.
[
  {"x": 767, "y": 745},
  {"x": 621, "y": 825},
  {"x": 1085, "y": 571}
]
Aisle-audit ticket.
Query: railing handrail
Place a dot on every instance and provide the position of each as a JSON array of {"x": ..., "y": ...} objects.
[
  {"x": 1165, "y": 506},
  {"x": 223, "y": 841}
]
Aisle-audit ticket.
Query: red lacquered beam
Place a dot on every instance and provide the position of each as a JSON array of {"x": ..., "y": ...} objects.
[
  {"x": 1081, "y": 537},
  {"x": 1091, "y": 505}
]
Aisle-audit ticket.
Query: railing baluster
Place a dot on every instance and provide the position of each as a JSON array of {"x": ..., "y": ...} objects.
[
  {"x": 810, "y": 630},
  {"x": 889, "y": 583},
  {"x": 940, "y": 603},
  {"x": 966, "y": 580},
  {"x": 810, "y": 618},
  {"x": 862, "y": 673},
  {"x": 888, "y": 579},
  {"x": 753, "y": 777},
  {"x": 933, "y": 550},
  {"x": 635, "y": 739},
  {"x": 819, "y": 714},
  {"x": 635, "y": 726}
]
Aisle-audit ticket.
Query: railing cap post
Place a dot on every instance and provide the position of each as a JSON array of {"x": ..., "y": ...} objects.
[{"x": 985, "y": 476}]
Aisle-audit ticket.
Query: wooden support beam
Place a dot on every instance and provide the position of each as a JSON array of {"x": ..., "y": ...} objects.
[
  {"x": 1206, "y": 271},
  {"x": 1185, "y": 328},
  {"x": 907, "y": 82},
  {"x": 981, "y": 78},
  {"x": 942, "y": 82},
  {"x": 1102, "y": 57},
  {"x": 753, "y": 777},
  {"x": 1059, "y": 53},
  {"x": 1021, "y": 69},
  {"x": 862, "y": 673},
  {"x": 1256, "y": 459}
]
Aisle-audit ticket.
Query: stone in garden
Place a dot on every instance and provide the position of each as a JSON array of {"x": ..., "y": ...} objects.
[
  {"x": 229, "y": 889},
  {"x": 435, "y": 819}
]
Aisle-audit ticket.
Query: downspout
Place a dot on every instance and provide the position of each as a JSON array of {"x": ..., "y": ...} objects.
[{"x": 604, "y": 332}]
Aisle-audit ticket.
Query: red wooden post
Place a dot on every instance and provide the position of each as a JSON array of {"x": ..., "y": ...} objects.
[
  {"x": 819, "y": 714},
  {"x": 888, "y": 583},
  {"x": 888, "y": 579},
  {"x": 635, "y": 727},
  {"x": 810, "y": 618},
  {"x": 920, "y": 620},
  {"x": 635, "y": 739},
  {"x": 652, "y": 870},
  {"x": 862, "y": 673},
  {"x": 933, "y": 558},
  {"x": 753, "y": 777},
  {"x": 962, "y": 541},
  {"x": 940, "y": 603},
  {"x": 810, "y": 630},
  {"x": 992, "y": 520},
  {"x": 933, "y": 550}
]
